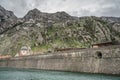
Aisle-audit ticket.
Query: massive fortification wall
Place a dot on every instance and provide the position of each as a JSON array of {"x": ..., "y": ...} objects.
[{"x": 103, "y": 60}]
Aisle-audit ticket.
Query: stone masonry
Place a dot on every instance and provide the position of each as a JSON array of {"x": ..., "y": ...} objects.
[{"x": 100, "y": 60}]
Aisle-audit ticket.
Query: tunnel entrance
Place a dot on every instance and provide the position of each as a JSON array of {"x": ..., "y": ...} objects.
[{"x": 99, "y": 54}]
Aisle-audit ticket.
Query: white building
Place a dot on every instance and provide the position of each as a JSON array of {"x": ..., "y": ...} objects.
[{"x": 25, "y": 50}]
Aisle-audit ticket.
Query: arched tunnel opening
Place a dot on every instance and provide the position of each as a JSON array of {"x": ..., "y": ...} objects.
[{"x": 99, "y": 54}]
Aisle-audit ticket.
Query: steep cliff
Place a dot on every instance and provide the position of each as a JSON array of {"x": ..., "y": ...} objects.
[{"x": 48, "y": 31}]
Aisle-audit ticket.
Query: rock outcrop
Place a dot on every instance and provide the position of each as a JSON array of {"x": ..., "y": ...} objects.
[{"x": 7, "y": 19}]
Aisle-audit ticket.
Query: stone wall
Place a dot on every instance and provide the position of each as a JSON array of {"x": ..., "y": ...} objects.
[{"x": 103, "y": 60}]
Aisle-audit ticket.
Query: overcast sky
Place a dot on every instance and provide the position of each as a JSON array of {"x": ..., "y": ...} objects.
[{"x": 73, "y": 7}]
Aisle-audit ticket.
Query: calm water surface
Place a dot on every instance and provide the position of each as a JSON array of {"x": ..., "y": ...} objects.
[{"x": 15, "y": 74}]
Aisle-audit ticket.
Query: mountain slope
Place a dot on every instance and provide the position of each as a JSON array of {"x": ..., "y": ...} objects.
[
  {"x": 7, "y": 18},
  {"x": 48, "y": 31}
]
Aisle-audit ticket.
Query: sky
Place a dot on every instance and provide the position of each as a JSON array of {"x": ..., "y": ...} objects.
[{"x": 72, "y": 7}]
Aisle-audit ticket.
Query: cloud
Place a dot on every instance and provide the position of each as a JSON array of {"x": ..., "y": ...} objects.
[{"x": 73, "y": 7}]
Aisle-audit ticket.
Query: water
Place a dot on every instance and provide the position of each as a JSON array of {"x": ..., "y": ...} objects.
[{"x": 15, "y": 74}]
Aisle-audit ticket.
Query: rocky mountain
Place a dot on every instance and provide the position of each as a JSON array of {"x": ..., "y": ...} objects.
[
  {"x": 36, "y": 15},
  {"x": 112, "y": 19},
  {"x": 48, "y": 31},
  {"x": 7, "y": 18}
]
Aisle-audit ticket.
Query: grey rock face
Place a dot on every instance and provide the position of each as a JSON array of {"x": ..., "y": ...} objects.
[{"x": 7, "y": 18}]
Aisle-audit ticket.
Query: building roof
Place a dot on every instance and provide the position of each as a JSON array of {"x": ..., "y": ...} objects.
[
  {"x": 104, "y": 43},
  {"x": 68, "y": 49},
  {"x": 24, "y": 48}
]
